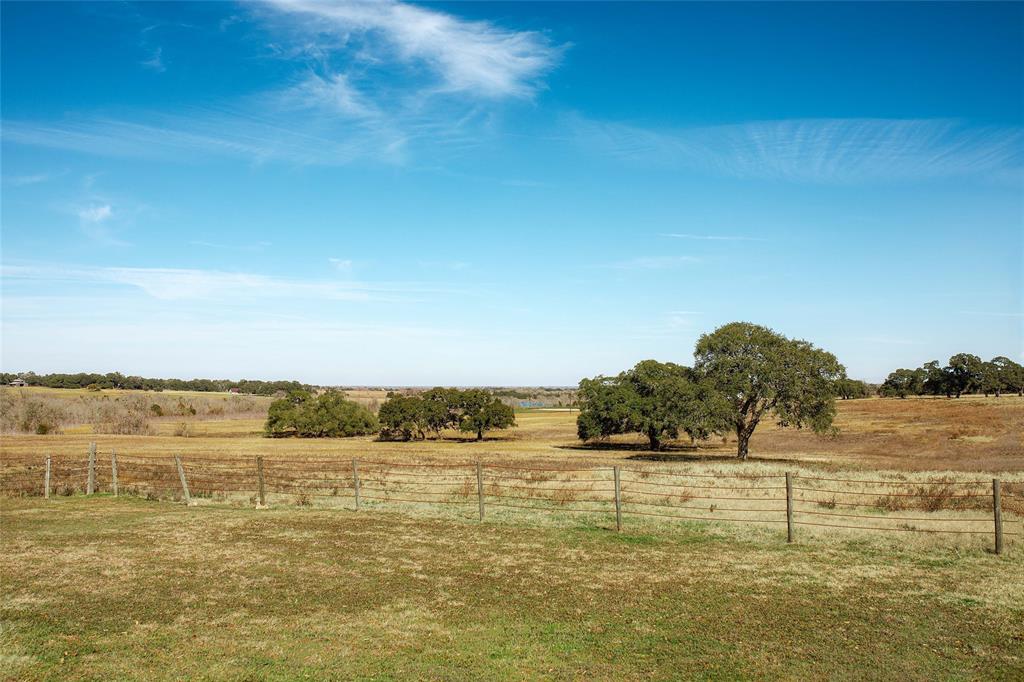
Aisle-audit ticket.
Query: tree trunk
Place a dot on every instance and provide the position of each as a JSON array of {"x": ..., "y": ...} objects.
[
  {"x": 655, "y": 439},
  {"x": 480, "y": 433},
  {"x": 742, "y": 442}
]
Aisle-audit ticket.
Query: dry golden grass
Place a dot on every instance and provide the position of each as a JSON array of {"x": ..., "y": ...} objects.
[{"x": 923, "y": 434}]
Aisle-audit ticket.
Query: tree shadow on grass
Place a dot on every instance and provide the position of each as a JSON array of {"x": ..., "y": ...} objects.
[{"x": 672, "y": 453}]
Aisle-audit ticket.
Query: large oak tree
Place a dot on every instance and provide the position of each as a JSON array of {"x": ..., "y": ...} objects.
[{"x": 761, "y": 372}]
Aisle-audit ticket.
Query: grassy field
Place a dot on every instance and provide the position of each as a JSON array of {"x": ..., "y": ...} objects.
[
  {"x": 924, "y": 434},
  {"x": 103, "y": 589}
]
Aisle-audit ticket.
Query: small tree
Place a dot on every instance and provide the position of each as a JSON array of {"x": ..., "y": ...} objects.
[
  {"x": 964, "y": 373},
  {"x": 759, "y": 371},
  {"x": 901, "y": 383},
  {"x": 329, "y": 415},
  {"x": 655, "y": 399},
  {"x": 1009, "y": 375},
  {"x": 480, "y": 412},
  {"x": 402, "y": 417}
]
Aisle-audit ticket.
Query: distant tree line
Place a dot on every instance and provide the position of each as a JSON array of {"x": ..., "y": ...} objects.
[
  {"x": 118, "y": 380},
  {"x": 965, "y": 373},
  {"x": 743, "y": 373},
  {"x": 474, "y": 410}
]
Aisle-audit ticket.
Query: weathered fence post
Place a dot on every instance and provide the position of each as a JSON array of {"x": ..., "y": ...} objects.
[
  {"x": 618, "y": 499},
  {"x": 90, "y": 485},
  {"x": 355, "y": 480},
  {"x": 184, "y": 482},
  {"x": 113, "y": 472},
  {"x": 259, "y": 480},
  {"x": 789, "y": 507},
  {"x": 480, "y": 488},
  {"x": 997, "y": 514},
  {"x": 46, "y": 479}
]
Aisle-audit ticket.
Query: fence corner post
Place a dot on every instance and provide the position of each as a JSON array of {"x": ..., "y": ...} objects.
[
  {"x": 259, "y": 479},
  {"x": 355, "y": 480},
  {"x": 480, "y": 488},
  {"x": 46, "y": 479},
  {"x": 184, "y": 481},
  {"x": 113, "y": 472},
  {"x": 90, "y": 485},
  {"x": 997, "y": 514},
  {"x": 789, "y": 507}
]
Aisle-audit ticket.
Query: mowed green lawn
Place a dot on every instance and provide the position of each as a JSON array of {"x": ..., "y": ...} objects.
[{"x": 107, "y": 588}]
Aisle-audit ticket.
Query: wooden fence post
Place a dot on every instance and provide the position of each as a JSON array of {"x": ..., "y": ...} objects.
[
  {"x": 259, "y": 479},
  {"x": 90, "y": 485},
  {"x": 113, "y": 472},
  {"x": 355, "y": 480},
  {"x": 997, "y": 514},
  {"x": 46, "y": 479},
  {"x": 184, "y": 482},
  {"x": 789, "y": 507},
  {"x": 480, "y": 488},
  {"x": 618, "y": 500}
]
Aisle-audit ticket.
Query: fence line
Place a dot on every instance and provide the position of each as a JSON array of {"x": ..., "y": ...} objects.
[{"x": 477, "y": 486}]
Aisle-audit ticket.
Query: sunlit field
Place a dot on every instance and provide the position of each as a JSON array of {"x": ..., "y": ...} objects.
[
  {"x": 699, "y": 581},
  {"x": 926, "y": 434}
]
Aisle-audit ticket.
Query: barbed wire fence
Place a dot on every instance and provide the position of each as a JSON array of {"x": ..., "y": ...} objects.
[{"x": 939, "y": 507}]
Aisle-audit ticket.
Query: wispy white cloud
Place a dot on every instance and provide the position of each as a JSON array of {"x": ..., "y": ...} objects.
[
  {"x": 654, "y": 263},
  {"x": 816, "y": 150},
  {"x": 183, "y": 284},
  {"x": 155, "y": 61},
  {"x": 416, "y": 80},
  {"x": 474, "y": 57},
  {"x": 343, "y": 265},
  {"x": 95, "y": 214},
  {"x": 713, "y": 237},
  {"x": 35, "y": 179}
]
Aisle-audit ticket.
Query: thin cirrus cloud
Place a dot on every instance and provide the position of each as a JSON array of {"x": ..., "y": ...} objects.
[
  {"x": 416, "y": 78},
  {"x": 815, "y": 150},
  {"x": 654, "y": 263},
  {"x": 181, "y": 284},
  {"x": 475, "y": 57}
]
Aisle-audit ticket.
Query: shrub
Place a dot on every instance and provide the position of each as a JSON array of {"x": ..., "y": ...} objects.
[{"x": 329, "y": 415}]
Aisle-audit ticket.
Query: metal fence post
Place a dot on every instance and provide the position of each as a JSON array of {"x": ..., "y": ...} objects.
[
  {"x": 90, "y": 485},
  {"x": 113, "y": 472},
  {"x": 259, "y": 479},
  {"x": 480, "y": 488},
  {"x": 355, "y": 480},
  {"x": 184, "y": 482},
  {"x": 789, "y": 507},
  {"x": 618, "y": 499},
  {"x": 997, "y": 514},
  {"x": 46, "y": 479}
]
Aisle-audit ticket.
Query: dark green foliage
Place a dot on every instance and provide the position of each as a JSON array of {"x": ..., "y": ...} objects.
[
  {"x": 759, "y": 371},
  {"x": 474, "y": 410},
  {"x": 402, "y": 418},
  {"x": 965, "y": 373},
  {"x": 480, "y": 412},
  {"x": 901, "y": 383},
  {"x": 655, "y": 399},
  {"x": 328, "y": 415},
  {"x": 118, "y": 380},
  {"x": 850, "y": 389}
]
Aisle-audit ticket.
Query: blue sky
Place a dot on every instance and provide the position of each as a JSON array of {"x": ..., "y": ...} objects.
[{"x": 505, "y": 193}]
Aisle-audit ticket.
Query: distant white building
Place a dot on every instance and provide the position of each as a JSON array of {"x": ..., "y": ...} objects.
[{"x": 18, "y": 382}]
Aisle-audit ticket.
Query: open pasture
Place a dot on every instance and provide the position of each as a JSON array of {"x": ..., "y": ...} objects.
[
  {"x": 107, "y": 588},
  {"x": 917, "y": 434}
]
